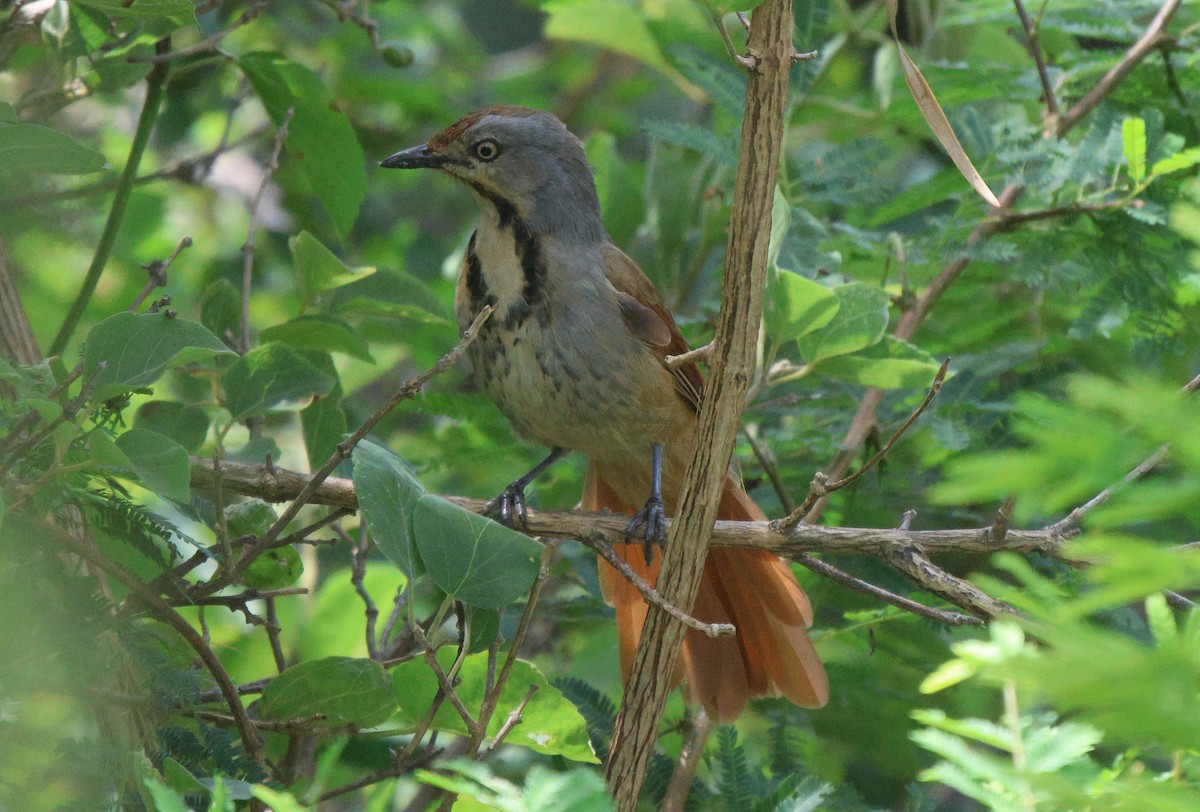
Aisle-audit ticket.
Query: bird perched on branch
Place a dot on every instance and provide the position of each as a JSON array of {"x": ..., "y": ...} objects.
[{"x": 574, "y": 355}]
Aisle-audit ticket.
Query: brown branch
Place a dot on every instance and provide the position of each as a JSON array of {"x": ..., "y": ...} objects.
[
  {"x": 690, "y": 357},
  {"x": 913, "y": 563},
  {"x": 732, "y": 367},
  {"x": 651, "y": 595},
  {"x": 820, "y": 487},
  {"x": 165, "y": 613},
  {"x": 157, "y": 270},
  {"x": 1142, "y": 468},
  {"x": 514, "y": 718},
  {"x": 282, "y": 485},
  {"x": 698, "y": 726},
  {"x": 847, "y": 580},
  {"x": 1154, "y": 34},
  {"x": 1011, "y": 220},
  {"x": 1035, "y": 50}
]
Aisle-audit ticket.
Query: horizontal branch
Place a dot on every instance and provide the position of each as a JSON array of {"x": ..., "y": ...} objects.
[{"x": 281, "y": 485}]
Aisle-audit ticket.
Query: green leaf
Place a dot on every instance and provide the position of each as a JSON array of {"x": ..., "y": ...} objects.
[
  {"x": 318, "y": 269},
  {"x": 319, "y": 332},
  {"x": 1133, "y": 143},
  {"x": 346, "y": 690},
  {"x": 781, "y": 221},
  {"x": 180, "y": 779},
  {"x": 890, "y": 364},
  {"x": 221, "y": 310},
  {"x": 473, "y": 558},
  {"x": 320, "y": 138},
  {"x": 797, "y": 306},
  {"x": 324, "y": 424},
  {"x": 694, "y": 137},
  {"x": 611, "y": 26},
  {"x": 274, "y": 569},
  {"x": 138, "y": 348},
  {"x": 161, "y": 464},
  {"x": 182, "y": 422},
  {"x": 860, "y": 320},
  {"x": 549, "y": 724},
  {"x": 271, "y": 375},
  {"x": 1174, "y": 163},
  {"x": 278, "y": 800},
  {"x": 252, "y": 517},
  {"x": 34, "y": 148},
  {"x": 387, "y": 495},
  {"x": 1161, "y": 619},
  {"x": 177, "y": 13},
  {"x": 335, "y": 627},
  {"x": 165, "y": 799}
]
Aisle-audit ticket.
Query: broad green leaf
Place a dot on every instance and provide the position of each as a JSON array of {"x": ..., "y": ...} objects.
[
  {"x": 177, "y": 13},
  {"x": 889, "y": 364},
  {"x": 252, "y": 517},
  {"x": 324, "y": 424},
  {"x": 612, "y": 26},
  {"x": 1174, "y": 163},
  {"x": 180, "y": 779},
  {"x": 797, "y": 306},
  {"x": 278, "y": 800},
  {"x": 34, "y": 148},
  {"x": 346, "y": 690},
  {"x": 165, "y": 799},
  {"x": 318, "y": 269},
  {"x": 860, "y": 320},
  {"x": 320, "y": 138},
  {"x": 549, "y": 724},
  {"x": 269, "y": 376},
  {"x": 319, "y": 332},
  {"x": 1133, "y": 144},
  {"x": 420, "y": 309},
  {"x": 387, "y": 496},
  {"x": 276, "y": 568},
  {"x": 137, "y": 348},
  {"x": 182, "y": 422},
  {"x": 161, "y": 464},
  {"x": 221, "y": 310},
  {"x": 335, "y": 616},
  {"x": 475, "y": 559}
]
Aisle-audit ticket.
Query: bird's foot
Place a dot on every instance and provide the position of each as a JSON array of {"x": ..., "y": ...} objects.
[
  {"x": 508, "y": 507},
  {"x": 652, "y": 520}
]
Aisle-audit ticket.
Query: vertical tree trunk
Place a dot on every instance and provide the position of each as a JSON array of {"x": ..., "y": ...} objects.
[{"x": 724, "y": 398}]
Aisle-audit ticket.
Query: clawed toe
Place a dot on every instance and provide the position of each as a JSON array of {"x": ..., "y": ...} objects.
[
  {"x": 652, "y": 520},
  {"x": 508, "y": 507}
]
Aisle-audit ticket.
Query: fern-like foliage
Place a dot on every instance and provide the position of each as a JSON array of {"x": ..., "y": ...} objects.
[
  {"x": 597, "y": 710},
  {"x": 127, "y": 521}
]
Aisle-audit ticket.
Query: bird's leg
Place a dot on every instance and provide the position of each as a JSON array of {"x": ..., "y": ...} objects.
[
  {"x": 652, "y": 516},
  {"x": 509, "y": 506}
]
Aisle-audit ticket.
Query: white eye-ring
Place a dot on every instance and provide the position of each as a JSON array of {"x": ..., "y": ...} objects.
[{"x": 487, "y": 150}]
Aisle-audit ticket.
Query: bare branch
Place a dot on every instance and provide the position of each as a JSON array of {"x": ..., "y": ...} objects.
[
  {"x": 514, "y": 718},
  {"x": 1142, "y": 468},
  {"x": 1035, "y": 50},
  {"x": 157, "y": 269},
  {"x": 650, "y": 594},
  {"x": 690, "y": 357},
  {"x": 913, "y": 563},
  {"x": 1147, "y": 42},
  {"x": 820, "y": 488}
]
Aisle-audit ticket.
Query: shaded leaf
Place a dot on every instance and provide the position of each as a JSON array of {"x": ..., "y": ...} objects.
[
  {"x": 269, "y": 376},
  {"x": 473, "y": 558},
  {"x": 34, "y": 148},
  {"x": 318, "y": 269},
  {"x": 319, "y": 332},
  {"x": 161, "y": 464},
  {"x": 346, "y": 690},
  {"x": 138, "y": 348},
  {"x": 182, "y": 422},
  {"x": 889, "y": 364},
  {"x": 387, "y": 496}
]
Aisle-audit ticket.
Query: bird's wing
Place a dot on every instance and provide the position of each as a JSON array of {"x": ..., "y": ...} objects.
[{"x": 648, "y": 318}]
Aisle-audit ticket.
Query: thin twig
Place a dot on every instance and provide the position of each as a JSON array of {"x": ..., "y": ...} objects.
[
  {"x": 249, "y": 248},
  {"x": 767, "y": 460},
  {"x": 849, "y": 581},
  {"x": 749, "y": 62},
  {"x": 1035, "y": 50},
  {"x": 208, "y": 43},
  {"x": 514, "y": 718},
  {"x": 443, "y": 679},
  {"x": 651, "y": 595},
  {"x": 408, "y": 390},
  {"x": 682, "y": 777},
  {"x": 157, "y": 270},
  {"x": 1146, "y": 43},
  {"x": 155, "y": 82},
  {"x": 820, "y": 487},
  {"x": 359, "y": 553},
  {"x": 272, "y": 629},
  {"x": 164, "y": 612},
  {"x": 1142, "y": 468},
  {"x": 690, "y": 357}
]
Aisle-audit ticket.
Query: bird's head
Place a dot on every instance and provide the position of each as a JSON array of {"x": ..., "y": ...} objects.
[{"x": 523, "y": 163}]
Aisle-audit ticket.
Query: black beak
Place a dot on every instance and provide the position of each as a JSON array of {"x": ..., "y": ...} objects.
[{"x": 419, "y": 157}]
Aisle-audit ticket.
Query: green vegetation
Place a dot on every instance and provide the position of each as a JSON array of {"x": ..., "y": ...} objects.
[{"x": 223, "y": 289}]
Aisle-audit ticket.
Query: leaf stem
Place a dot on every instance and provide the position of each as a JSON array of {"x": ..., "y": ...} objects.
[{"x": 155, "y": 83}]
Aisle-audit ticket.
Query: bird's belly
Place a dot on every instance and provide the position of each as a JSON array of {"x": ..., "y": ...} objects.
[{"x": 563, "y": 392}]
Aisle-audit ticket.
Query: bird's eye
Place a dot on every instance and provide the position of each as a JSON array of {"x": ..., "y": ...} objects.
[{"x": 487, "y": 150}]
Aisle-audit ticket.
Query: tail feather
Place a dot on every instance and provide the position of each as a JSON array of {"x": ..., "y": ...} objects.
[{"x": 771, "y": 654}]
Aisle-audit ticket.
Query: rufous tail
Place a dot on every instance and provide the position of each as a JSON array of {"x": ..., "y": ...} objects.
[{"x": 754, "y": 590}]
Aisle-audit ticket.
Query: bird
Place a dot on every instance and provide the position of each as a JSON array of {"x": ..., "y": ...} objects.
[{"x": 574, "y": 355}]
